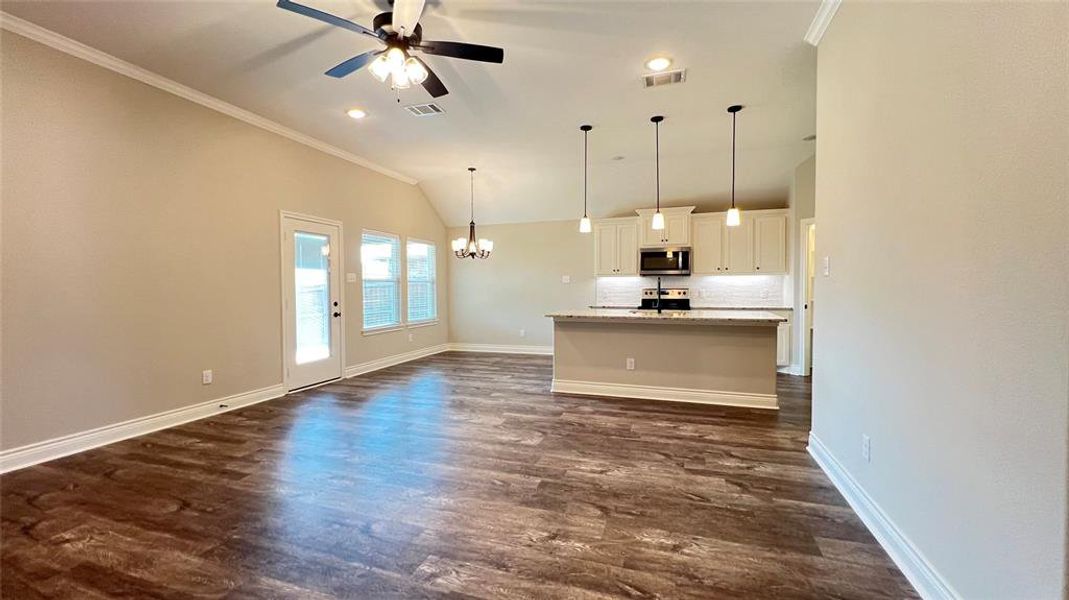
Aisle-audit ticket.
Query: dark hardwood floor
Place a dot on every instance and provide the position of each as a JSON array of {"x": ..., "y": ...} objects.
[{"x": 456, "y": 476}]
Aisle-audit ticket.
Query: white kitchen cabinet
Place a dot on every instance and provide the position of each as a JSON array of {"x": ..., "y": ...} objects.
[
  {"x": 676, "y": 230},
  {"x": 627, "y": 248},
  {"x": 757, "y": 245},
  {"x": 739, "y": 251},
  {"x": 770, "y": 243},
  {"x": 616, "y": 247},
  {"x": 707, "y": 252}
]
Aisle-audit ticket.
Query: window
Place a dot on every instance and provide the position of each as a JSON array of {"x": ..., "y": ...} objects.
[
  {"x": 422, "y": 284},
  {"x": 380, "y": 263}
]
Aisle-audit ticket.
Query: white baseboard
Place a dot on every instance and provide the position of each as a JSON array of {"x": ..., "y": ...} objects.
[
  {"x": 645, "y": 392},
  {"x": 501, "y": 349},
  {"x": 32, "y": 454},
  {"x": 791, "y": 369},
  {"x": 396, "y": 359},
  {"x": 913, "y": 564}
]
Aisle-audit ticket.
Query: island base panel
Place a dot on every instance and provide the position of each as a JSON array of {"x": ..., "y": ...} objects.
[{"x": 728, "y": 365}]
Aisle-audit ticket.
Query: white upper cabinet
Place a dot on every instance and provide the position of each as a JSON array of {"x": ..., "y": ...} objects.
[
  {"x": 707, "y": 256},
  {"x": 676, "y": 230},
  {"x": 616, "y": 246},
  {"x": 740, "y": 250},
  {"x": 770, "y": 243},
  {"x": 627, "y": 248},
  {"x": 605, "y": 248},
  {"x": 757, "y": 245}
]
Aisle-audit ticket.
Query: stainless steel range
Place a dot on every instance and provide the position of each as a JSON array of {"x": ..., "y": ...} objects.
[{"x": 670, "y": 299}]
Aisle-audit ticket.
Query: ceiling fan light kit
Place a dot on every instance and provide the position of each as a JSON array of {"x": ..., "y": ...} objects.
[{"x": 402, "y": 35}]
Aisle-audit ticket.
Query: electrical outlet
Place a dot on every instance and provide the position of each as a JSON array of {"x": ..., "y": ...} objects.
[
  {"x": 206, "y": 377},
  {"x": 523, "y": 333},
  {"x": 565, "y": 278},
  {"x": 630, "y": 364},
  {"x": 866, "y": 448},
  {"x": 350, "y": 278},
  {"x": 411, "y": 336}
]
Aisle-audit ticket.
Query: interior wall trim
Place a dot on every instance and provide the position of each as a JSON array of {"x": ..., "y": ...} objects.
[
  {"x": 920, "y": 572},
  {"x": 501, "y": 349},
  {"x": 821, "y": 21},
  {"x": 396, "y": 359},
  {"x": 32, "y": 454},
  {"x": 79, "y": 50},
  {"x": 646, "y": 392}
]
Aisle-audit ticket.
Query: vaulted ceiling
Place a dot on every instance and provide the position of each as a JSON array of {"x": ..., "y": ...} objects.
[{"x": 566, "y": 63}]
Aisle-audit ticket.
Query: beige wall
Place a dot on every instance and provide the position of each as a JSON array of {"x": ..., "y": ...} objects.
[
  {"x": 803, "y": 188},
  {"x": 140, "y": 246},
  {"x": 491, "y": 300},
  {"x": 943, "y": 329}
]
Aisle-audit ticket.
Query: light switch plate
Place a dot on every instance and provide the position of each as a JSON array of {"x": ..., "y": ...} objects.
[
  {"x": 827, "y": 266},
  {"x": 565, "y": 278},
  {"x": 350, "y": 278},
  {"x": 206, "y": 377}
]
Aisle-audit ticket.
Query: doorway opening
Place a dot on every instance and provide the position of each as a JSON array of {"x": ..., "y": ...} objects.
[{"x": 807, "y": 242}]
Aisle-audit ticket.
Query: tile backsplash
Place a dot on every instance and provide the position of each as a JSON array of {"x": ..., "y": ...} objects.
[{"x": 711, "y": 290}]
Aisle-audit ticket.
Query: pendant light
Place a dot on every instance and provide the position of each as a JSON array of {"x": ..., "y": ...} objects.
[
  {"x": 584, "y": 223},
  {"x": 658, "y": 218},
  {"x": 472, "y": 248},
  {"x": 733, "y": 218}
]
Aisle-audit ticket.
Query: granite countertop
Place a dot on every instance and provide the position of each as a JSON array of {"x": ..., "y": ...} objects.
[
  {"x": 706, "y": 307},
  {"x": 700, "y": 316}
]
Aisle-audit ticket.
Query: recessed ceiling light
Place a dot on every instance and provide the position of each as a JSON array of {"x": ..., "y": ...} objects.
[
  {"x": 356, "y": 113},
  {"x": 658, "y": 63}
]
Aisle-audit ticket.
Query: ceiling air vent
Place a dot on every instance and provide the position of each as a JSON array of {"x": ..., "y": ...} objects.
[
  {"x": 425, "y": 110},
  {"x": 665, "y": 78}
]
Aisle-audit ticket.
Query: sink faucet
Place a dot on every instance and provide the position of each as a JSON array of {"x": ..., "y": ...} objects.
[{"x": 660, "y": 291}]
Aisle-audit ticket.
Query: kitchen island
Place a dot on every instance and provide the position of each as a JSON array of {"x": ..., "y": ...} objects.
[{"x": 723, "y": 357}]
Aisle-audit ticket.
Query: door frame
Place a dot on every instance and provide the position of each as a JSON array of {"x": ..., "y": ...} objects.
[
  {"x": 805, "y": 352},
  {"x": 282, "y": 216}
]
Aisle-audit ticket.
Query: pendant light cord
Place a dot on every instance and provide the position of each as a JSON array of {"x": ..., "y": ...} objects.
[
  {"x": 471, "y": 172},
  {"x": 657, "y": 144},
  {"x": 733, "y": 116},
  {"x": 586, "y": 134}
]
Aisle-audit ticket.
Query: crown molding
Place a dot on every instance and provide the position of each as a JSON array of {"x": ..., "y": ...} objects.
[
  {"x": 821, "y": 21},
  {"x": 77, "y": 49}
]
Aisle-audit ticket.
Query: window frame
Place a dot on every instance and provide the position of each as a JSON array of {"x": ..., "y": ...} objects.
[
  {"x": 401, "y": 300},
  {"x": 408, "y": 284}
]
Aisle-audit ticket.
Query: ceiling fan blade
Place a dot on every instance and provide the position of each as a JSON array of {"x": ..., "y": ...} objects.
[
  {"x": 353, "y": 64},
  {"x": 406, "y": 14},
  {"x": 463, "y": 50},
  {"x": 432, "y": 84},
  {"x": 319, "y": 15}
]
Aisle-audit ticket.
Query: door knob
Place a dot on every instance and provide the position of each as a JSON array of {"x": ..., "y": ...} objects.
[{"x": 337, "y": 314}]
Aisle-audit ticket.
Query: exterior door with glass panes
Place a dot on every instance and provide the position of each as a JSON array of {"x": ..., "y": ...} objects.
[{"x": 311, "y": 300}]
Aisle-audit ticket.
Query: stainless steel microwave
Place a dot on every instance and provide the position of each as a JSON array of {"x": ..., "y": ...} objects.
[{"x": 664, "y": 261}]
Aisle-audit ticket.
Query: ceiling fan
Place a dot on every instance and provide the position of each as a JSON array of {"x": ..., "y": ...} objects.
[{"x": 402, "y": 35}]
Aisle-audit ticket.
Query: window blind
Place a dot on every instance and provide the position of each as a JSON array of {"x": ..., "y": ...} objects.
[
  {"x": 422, "y": 281},
  {"x": 380, "y": 263}
]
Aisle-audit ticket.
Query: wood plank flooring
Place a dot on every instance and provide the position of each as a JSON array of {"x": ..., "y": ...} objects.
[{"x": 455, "y": 476}]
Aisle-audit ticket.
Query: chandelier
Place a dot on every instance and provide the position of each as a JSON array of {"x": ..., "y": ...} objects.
[{"x": 472, "y": 248}]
